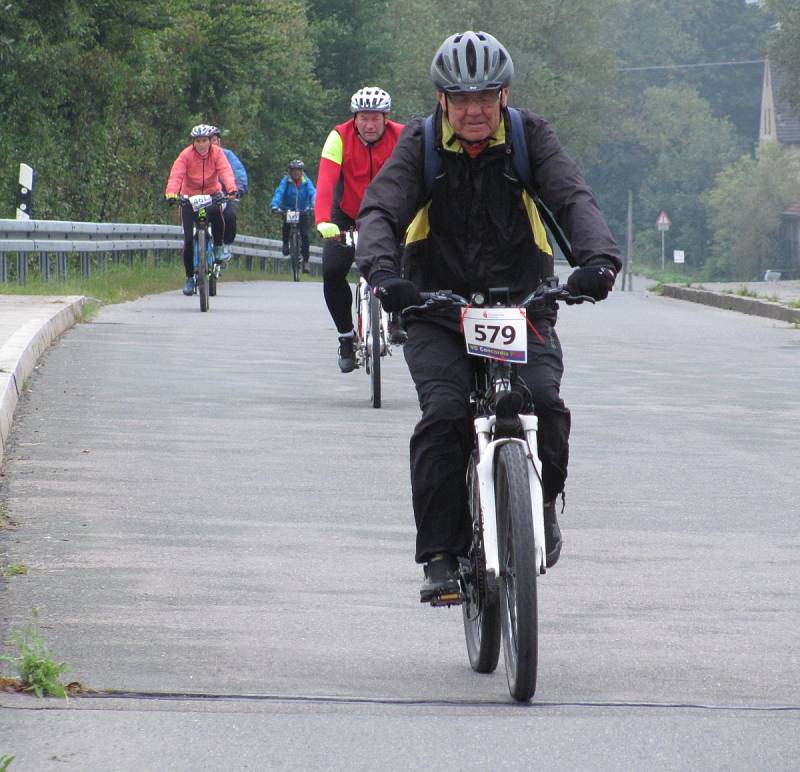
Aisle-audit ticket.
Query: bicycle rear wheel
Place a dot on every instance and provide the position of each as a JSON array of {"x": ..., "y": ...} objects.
[
  {"x": 294, "y": 251},
  {"x": 375, "y": 349},
  {"x": 518, "y": 604},
  {"x": 481, "y": 607},
  {"x": 213, "y": 272}
]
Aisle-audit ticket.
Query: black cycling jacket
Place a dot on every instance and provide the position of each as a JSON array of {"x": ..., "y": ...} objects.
[{"x": 480, "y": 228}]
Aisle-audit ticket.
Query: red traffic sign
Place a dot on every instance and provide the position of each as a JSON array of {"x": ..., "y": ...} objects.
[{"x": 663, "y": 222}]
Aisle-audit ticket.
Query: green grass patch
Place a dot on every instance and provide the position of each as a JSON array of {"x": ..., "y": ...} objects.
[
  {"x": 15, "y": 569},
  {"x": 5, "y": 763},
  {"x": 38, "y": 672},
  {"x": 119, "y": 283}
]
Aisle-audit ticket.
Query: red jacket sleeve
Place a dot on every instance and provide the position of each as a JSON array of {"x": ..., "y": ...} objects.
[
  {"x": 176, "y": 174},
  {"x": 327, "y": 178}
]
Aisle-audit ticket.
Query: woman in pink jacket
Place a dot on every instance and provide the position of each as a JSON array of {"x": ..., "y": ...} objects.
[{"x": 199, "y": 169}]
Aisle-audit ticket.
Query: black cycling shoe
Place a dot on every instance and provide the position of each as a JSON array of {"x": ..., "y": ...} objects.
[
  {"x": 552, "y": 534},
  {"x": 441, "y": 586},
  {"x": 347, "y": 354},
  {"x": 397, "y": 335},
  {"x": 305, "y": 267}
]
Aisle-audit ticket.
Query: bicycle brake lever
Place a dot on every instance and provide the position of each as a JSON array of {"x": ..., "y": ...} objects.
[{"x": 575, "y": 300}]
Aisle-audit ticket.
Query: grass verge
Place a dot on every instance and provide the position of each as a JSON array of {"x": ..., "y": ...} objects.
[{"x": 120, "y": 283}]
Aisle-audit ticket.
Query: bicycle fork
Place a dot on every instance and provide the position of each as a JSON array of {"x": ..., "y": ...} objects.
[{"x": 485, "y": 468}]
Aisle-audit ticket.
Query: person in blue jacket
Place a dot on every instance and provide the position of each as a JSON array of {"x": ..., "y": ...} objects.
[
  {"x": 229, "y": 214},
  {"x": 295, "y": 192}
]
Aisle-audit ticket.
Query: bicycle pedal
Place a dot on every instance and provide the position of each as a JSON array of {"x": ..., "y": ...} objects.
[{"x": 447, "y": 599}]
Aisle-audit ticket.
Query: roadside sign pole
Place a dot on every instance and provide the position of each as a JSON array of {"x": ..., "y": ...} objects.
[
  {"x": 662, "y": 223},
  {"x": 27, "y": 179}
]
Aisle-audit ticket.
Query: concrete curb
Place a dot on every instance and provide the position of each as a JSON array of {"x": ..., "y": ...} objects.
[
  {"x": 743, "y": 304},
  {"x": 19, "y": 354}
]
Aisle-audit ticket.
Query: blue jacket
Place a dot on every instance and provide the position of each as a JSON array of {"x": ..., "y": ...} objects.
[
  {"x": 239, "y": 172},
  {"x": 290, "y": 196}
]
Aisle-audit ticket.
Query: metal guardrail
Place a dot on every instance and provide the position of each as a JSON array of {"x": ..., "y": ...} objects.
[{"x": 87, "y": 246}]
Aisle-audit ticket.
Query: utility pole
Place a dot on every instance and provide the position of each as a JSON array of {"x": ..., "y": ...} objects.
[{"x": 629, "y": 253}]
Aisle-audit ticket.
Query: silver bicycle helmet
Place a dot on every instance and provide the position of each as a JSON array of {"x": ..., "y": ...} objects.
[
  {"x": 296, "y": 164},
  {"x": 203, "y": 130},
  {"x": 471, "y": 61},
  {"x": 370, "y": 99}
]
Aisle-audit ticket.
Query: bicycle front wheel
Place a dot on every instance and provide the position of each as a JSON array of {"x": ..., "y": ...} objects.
[
  {"x": 294, "y": 251},
  {"x": 375, "y": 349},
  {"x": 518, "y": 604},
  {"x": 481, "y": 607},
  {"x": 202, "y": 270}
]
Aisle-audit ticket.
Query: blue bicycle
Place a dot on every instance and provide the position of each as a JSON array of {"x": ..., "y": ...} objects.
[{"x": 206, "y": 272}]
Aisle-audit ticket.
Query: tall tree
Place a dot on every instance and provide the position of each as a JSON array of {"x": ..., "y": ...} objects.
[{"x": 745, "y": 208}]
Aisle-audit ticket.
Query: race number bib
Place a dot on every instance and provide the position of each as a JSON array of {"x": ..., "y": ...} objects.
[
  {"x": 200, "y": 202},
  {"x": 496, "y": 333},
  {"x": 292, "y": 216}
]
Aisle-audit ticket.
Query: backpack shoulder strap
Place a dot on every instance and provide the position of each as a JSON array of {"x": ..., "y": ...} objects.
[
  {"x": 432, "y": 163},
  {"x": 522, "y": 168}
]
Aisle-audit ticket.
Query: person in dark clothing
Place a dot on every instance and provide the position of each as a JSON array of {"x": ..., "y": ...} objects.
[{"x": 477, "y": 227}]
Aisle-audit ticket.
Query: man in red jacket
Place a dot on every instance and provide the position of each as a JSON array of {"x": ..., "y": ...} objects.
[
  {"x": 199, "y": 169},
  {"x": 353, "y": 154}
]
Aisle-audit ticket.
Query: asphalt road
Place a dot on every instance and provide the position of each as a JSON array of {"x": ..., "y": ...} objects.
[{"x": 210, "y": 510}]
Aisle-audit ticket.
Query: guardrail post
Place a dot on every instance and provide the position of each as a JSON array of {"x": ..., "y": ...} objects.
[
  {"x": 22, "y": 267},
  {"x": 62, "y": 266},
  {"x": 249, "y": 262},
  {"x": 3, "y": 268},
  {"x": 44, "y": 266}
]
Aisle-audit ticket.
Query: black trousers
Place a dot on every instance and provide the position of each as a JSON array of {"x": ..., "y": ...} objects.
[
  {"x": 188, "y": 218},
  {"x": 229, "y": 215},
  {"x": 337, "y": 259},
  {"x": 442, "y": 440},
  {"x": 303, "y": 228}
]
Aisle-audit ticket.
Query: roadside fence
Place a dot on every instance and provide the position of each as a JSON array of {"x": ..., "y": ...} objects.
[{"x": 54, "y": 249}]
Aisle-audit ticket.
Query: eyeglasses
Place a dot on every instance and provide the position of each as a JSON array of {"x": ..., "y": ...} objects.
[{"x": 482, "y": 98}]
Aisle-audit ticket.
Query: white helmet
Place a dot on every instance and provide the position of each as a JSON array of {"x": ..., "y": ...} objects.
[
  {"x": 203, "y": 130},
  {"x": 370, "y": 99}
]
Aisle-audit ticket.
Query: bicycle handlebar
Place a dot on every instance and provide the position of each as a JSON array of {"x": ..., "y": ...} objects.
[{"x": 546, "y": 294}]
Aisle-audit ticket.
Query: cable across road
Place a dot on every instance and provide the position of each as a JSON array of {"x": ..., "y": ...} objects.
[
  {"x": 206, "y": 697},
  {"x": 690, "y": 66}
]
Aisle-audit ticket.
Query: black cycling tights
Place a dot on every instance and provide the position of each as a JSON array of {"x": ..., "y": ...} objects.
[
  {"x": 188, "y": 218},
  {"x": 337, "y": 258}
]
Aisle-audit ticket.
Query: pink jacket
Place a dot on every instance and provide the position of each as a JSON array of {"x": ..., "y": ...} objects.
[{"x": 193, "y": 173}]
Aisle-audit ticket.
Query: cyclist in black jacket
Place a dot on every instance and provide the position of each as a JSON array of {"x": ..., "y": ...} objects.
[{"x": 476, "y": 228}]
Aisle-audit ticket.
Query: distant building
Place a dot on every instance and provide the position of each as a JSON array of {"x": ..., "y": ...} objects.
[{"x": 781, "y": 123}]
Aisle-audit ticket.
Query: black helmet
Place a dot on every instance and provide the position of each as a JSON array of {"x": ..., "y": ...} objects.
[
  {"x": 296, "y": 164},
  {"x": 471, "y": 61}
]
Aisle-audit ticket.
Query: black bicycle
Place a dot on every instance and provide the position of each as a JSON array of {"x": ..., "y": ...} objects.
[
  {"x": 293, "y": 218},
  {"x": 504, "y": 481}
]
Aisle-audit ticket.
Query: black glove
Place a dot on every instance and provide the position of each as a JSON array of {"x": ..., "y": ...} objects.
[
  {"x": 395, "y": 293},
  {"x": 595, "y": 281},
  {"x": 275, "y": 210}
]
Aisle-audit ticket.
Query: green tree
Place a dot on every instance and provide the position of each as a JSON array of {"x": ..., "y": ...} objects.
[
  {"x": 745, "y": 209},
  {"x": 688, "y": 147}
]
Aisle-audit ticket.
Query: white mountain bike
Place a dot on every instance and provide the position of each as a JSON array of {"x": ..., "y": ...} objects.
[
  {"x": 504, "y": 482},
  {"x": 372, "y": 331}
]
